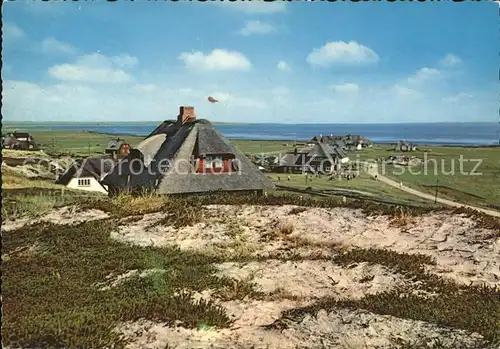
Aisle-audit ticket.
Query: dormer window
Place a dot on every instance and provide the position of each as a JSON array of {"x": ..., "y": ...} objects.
[
  {"x": 214, "y": 164},
  {"x": 217, "y": 162}
]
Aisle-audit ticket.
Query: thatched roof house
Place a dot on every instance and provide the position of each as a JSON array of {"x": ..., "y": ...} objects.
[
  {"x": 187, "y": 156},
  {"x": 117, "y": 148},
  {"x": 322, "y": 157},
  {"x": 86, "y": 174},
  {"x": 405, "y": 146},
  {"x": 346, "y": 142},
  {"x": 19, "y": 140}
]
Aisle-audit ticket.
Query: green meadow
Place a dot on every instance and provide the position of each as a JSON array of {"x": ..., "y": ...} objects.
[{"x": 464, "y": 174}]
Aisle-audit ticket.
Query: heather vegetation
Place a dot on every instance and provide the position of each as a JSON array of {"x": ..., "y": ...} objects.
[{"x": 64, "y": 284}]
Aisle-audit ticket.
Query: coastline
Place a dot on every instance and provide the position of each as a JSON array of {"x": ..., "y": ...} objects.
[
  {"x": 457, "y": 145},
  {"x": 482, "y": 138}
]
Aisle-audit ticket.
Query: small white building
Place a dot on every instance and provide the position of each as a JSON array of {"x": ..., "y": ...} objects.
[{"x": 87, "y": 174}]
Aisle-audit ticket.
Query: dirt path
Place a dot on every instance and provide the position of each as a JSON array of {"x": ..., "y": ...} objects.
[{"x": 372, "y": 170}]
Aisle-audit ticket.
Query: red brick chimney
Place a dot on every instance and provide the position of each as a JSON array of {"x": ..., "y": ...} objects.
[{"x": 186, "y": 114}]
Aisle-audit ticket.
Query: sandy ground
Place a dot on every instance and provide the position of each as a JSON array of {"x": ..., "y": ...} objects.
[
  {"x": 312, "y": 279},
  {"x": 64, "y": 215},
  {"x": 115, "y": 280},
  {"x": 463, "y": 253},
  {"x": 337, "y": 329}
]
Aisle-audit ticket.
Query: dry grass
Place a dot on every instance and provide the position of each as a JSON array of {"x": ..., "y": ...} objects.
[
  {"x": 285, "y": 228},
  {"x": 280, "y": 229},
  {"x": 13, "y": 179},
  {"x": 402, "y": 219},
  {"x": 238, "y": 290},
  {"x": 297, "y": 210},
  {"x": 34, "y": 202},
  {"x": 24, "y": 153},
  {"x": 482, "y": 220},
  {"x": 137, "y": 205}
]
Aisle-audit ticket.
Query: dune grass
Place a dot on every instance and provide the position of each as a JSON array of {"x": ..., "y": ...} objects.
[
  {"x": 71, "y": 261},
  {"x": 33, "y": 202},
  {"x": 126, "y": 205},
  {"x": 471, "y": 308},
  {"x": 68, "y": 261}
]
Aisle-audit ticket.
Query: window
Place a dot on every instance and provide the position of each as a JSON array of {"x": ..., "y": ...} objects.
[
  {"x": 208, "y": 163},
  {"x": 125, "y": 149},
  {"x": 214, "y": 162},
  {"x": 217, "y": 162},
  {"x": 84, "y": 182}
]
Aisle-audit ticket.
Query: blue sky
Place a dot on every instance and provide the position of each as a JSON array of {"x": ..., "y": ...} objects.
[{"x": 264, "y": 62}]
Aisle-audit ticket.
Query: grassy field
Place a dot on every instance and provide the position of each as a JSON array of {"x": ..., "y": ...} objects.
[
  {"x": 23, "y": 197},
  {"x": 474, "y": 180},
  {"x": 84, "y": 143},
  {"x": 482, "y": 189},
  {"x": 79, "y": 143},
  {"x": 363, "y": 183}
]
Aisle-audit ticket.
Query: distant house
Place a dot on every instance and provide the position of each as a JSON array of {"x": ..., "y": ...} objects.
[
  {"x": 339, "y": 143},
  {"x": 117, "y": 148},
  {"x": 321, "y": 139},
  {"x": 403, "y": 146},
  {"x": 356, "y": 142},
  {"x": 322, "y": 157},
  {"x": 86, "y": 174},
  {"x": 19, "y": 141},
  {"x": 345, "y": 142}
]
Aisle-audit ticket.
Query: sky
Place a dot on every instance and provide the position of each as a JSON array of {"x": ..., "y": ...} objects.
[{"x": 277, "y": 62}]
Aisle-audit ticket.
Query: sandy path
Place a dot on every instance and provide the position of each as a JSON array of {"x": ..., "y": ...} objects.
[{"x": 373, "y": 171}]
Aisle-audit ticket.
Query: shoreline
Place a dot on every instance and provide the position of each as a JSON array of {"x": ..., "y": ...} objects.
[
  {"x": 459, "y": 145},
  {"x": 456, "y": 144}
]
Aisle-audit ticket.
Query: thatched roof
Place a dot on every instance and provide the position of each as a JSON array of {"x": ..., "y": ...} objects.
[
  {"x": 176, "y": 145},
  {"x": 115, "y": 144},
  {"x": 16, "y": 134},
  {"x": 208, "y": 140},
  {"x": 326, "y": 150},
  {"x": 339, "y": 143},
  {"x": 342, "y": 140},
  {"x": 151, "y": 145},
  {"x": 404, "y": 143},
  {"x": 95, "y": 167},
  {"x": 320, "y": 150},
  {"x": 334, "y": 150},
  {"x": 166, "y": 127}
]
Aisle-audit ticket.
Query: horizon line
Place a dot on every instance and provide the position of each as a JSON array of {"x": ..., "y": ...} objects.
[{"x": 4, "y": 122}]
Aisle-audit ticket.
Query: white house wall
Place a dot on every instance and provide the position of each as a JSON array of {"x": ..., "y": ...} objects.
[{"x": 94, "y": 185}]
